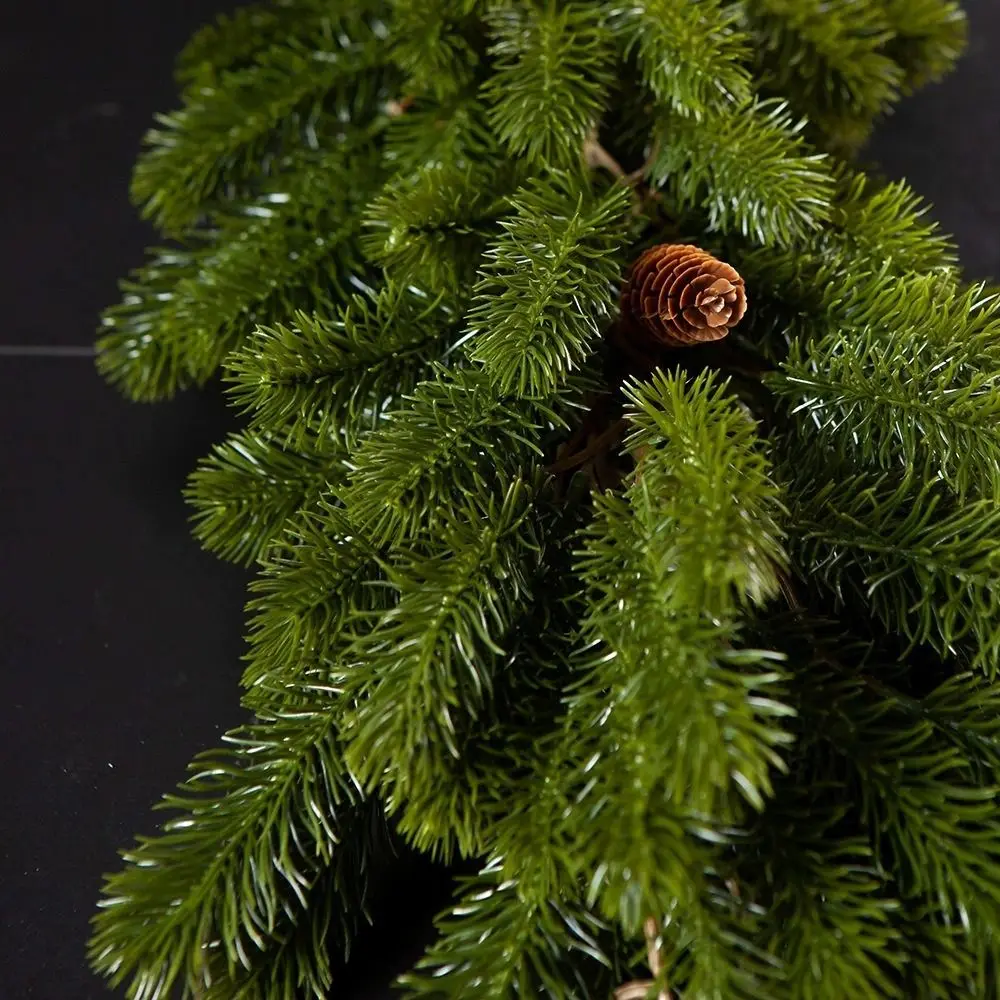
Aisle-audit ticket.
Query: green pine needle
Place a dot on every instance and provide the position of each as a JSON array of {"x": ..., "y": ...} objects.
[
  {"x": 558, "y": 252},
  {"x": 933, "y": 827},
  {"x": 320, "y": 584},
  {"x": 925, "y": 407},
  {"x": 233, "y": 41},
  {"x": 431, "y": 227},
  {"x": 435, "y": 45},
  {"x": 831, "y": 52},
  {"x": 747, "y": 169},
  {"x": 692, "y": 55},
  {"x": 454, "y": 428},
  {"x": 930, "y": 37},
  {"x": 258, "y": 820},
  {"x": 495, "y": 943},
  {"x": 923, "y": 563},
  {"x": 332, "y": 378},
  {"x": 245, "y": 492},
  {"x": 702, "y": 666},
  {"x": 219, "y": 136},
  {"x": 431, "y": 658},
  {"x": 303, "y": 234},
  {"x": 830, "y": 912},
  {"x": 552, "y": 73}
]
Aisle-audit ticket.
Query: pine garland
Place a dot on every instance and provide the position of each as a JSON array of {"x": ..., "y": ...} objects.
[{"x": 694, "y": 650}]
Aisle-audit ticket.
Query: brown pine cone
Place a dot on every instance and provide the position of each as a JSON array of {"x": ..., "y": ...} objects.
[{"x": 681, "y": 295}]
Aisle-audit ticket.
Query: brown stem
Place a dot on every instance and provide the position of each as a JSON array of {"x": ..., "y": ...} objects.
[
  {"x": 789, "y": 591},
  {"x": 399, "y": 106},
  {"x": 635, "y": 990},
  {"x": 595, "y": 155},
  {"x": 639, "y": 988},
  {"x": 594, "y": 448},
  {"x": 655, "y": 953},
  {"x": 637, "y": 175}
]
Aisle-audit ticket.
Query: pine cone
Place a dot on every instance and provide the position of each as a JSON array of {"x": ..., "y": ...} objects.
[{"x": 681, "y": 295}]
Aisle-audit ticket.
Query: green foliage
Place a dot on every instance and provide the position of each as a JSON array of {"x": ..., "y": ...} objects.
[
  {"x": 965, "y": 710},
  {"x": 258, "y": 820},
  {"x": 244, "y": 493},
  {"x": 557, "y": 252},
  {"x": 830, "y": 917},
  {"x": 332, "y": 378},
  {"x": 671, "y": 723},
  {"x": 699, "y": 668},
  {"x": 932, "y": 826},
  {"x": 223, "y": 131},
  {"x": 668, "y": 673},
  {"x": 233, "y": 40},
  {"x": 701, "y": 471},
  {"x": 434, "y": 43},
  {"x": 880, "y": 265},
  {"x": 828, "y": 55},
  {"x": 926, "y": 411},
  {"x": 941, "y": 961},
  {"x": 299, "y": 963},
  {"x": 318, "y": 588},
  {"x": 454, "y": 131},
  {"x": 142, "y": 365},
  {"x": 930, "y": 36},
  {"x": 922, "y": 562},
  {"x": 877, "y": 236},
  {"x": 202, "y": 303},
  {"x": 431, "y": 227},
  {"x": 691, "y": 56},
  {"x": 552, "y": 72},
  {"x": 436, "y": 650},
  {"x": 498, "y": 944},
  {"x": 889, "y": 222},
  {"x": 455, "y": 428},
  {"x": 747, "y": 170}
]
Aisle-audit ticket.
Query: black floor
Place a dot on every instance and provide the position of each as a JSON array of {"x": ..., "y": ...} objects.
[{"x": 120, "y": 639}]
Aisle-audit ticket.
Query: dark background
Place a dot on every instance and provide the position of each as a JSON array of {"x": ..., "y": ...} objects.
[{"x": 120, "y": 640}]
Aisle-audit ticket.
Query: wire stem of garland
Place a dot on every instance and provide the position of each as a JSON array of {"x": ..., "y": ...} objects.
[{"x": 639, "y": 989}]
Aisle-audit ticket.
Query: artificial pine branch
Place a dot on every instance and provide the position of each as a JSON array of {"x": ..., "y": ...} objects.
[
  {"x": 435, "y": 650},
  {"x": 571, "y": 285},
  {"x": 319, "y": 586},
  {"x": 831, "y": 916},
  {"x": 246, "y": 491},
  {"x": 436, "y": 45},
  {"x": 434, "y": 223},
  {"x": 665, "y": 592},
  {"x": 917, "y": 797},
  {"x": 259, "y": 820},
  {"x": 927, "y": 406},
  {"x": 303, "y": 233},
  {"x": 456, "y": 427},
  {"x": 930, "y": 37},
  {"x": 922, "y": 562},
  {"x": 331, "y": 377},
  {"x": 829, "y": 55},
  {"x": 454, "y": 130},
  {"x": 551, "y": 76},
  {"x": 223, "y": 131},
  {"x": 692, "y": 56},
  {"x": 747, "y": 169},
  {"x": 232, "y": 40},
  {"x": 500, "y": 944}
]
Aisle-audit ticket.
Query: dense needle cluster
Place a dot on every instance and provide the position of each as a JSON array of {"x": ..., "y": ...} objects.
[{"x": 691, "y": 648}]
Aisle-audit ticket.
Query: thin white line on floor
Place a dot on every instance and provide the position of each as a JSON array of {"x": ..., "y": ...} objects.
[{"x": 45, "y": 351}]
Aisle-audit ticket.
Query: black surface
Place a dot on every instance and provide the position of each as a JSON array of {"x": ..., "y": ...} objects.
[{"x": 120, "y": 639}]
